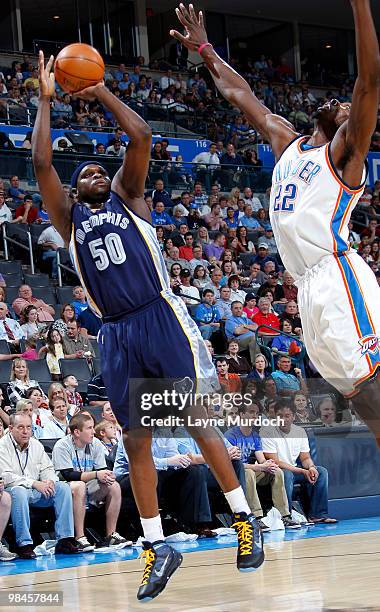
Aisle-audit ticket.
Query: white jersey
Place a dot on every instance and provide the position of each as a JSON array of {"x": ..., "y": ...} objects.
[{"x": 310, "y": 206}]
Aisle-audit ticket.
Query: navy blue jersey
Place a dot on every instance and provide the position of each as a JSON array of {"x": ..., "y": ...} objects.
[{"x": 117, "y": 257}]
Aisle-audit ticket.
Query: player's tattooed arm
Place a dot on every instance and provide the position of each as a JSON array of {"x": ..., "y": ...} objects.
[
  {"x": 50, "y": 186},
  {"x": 277, "y": 130},
  {"x": 351, "y": 144}
]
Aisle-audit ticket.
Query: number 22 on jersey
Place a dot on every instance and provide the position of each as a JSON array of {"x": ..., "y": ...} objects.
[{"x": 285, "y": 198}]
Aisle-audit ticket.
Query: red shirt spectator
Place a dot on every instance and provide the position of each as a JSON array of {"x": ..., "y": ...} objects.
[
  {"x": 186, "y": 251},
  {"x": 230, "y": 383},
  {"x": 26, "y": 213},
  {"x": 45, "y": 312},
  {"x": 265, "y": 317}
]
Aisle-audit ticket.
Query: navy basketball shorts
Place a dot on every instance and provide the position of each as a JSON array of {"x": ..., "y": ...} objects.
[{"x": 155, "y": 349}]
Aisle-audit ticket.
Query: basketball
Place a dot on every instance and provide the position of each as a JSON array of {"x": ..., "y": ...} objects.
[{"x": 78, "y": 66}]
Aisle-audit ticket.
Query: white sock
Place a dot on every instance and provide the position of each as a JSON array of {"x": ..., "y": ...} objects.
[
  {"x": 152, "y": 528},
  {"x": 237, "y": 501}
]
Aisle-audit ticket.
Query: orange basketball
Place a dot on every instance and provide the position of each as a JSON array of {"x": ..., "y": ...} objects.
[{"x": 78, "y": 66}]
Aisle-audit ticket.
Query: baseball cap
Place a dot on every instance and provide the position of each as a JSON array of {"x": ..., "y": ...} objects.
[
  {"x": 262, "y": 245},
  {"x": 273, "y": 274},
  {"x": 185, "y": 272},
  {"x": 250, "y": 296}
]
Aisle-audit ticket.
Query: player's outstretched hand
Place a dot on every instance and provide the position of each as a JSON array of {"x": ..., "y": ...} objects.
[
  {"x": 194, "y": 27},
  {"x": 46, "y": 76},
  {"x": 90, "y": 93}
]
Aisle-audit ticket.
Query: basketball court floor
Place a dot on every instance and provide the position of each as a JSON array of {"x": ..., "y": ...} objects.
[{"x": 314, "y": 569}]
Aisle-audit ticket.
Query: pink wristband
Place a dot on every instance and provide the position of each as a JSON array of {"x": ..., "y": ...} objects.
[{"x": 203, "y": 46}]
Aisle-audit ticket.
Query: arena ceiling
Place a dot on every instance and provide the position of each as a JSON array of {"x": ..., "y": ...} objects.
[{"x": 333, "y": 13}]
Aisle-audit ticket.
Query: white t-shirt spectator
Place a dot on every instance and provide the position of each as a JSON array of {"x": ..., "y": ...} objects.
[
  {"x": 67, "y": 456},
  {"x": 5, "y": 214},
  {"x": 192, "y": 292},
  {"x": 288, "y": 446},
  {"x": 254, "y": 202},
  {"x": 50, "y": 234}
]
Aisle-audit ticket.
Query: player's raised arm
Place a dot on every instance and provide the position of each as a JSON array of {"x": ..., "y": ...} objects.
[
  {"x": 129, "y": 181},
  {"x": 365, "y": 100},
  {"x": 277, "y": 130},
  {"x": 49, "y": 184}
]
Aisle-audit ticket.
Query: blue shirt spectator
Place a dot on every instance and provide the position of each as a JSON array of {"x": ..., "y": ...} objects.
[
  {"x": 233, "y": 322},
  {"x": 286, "y": 381},
  {"x": 249, "y": 222},
  {"x": 207, "y": 313},
  {"x": 247, "y": 444},
  {"x": 160, "y": 216},
  {"x": 14, "y": 190}
]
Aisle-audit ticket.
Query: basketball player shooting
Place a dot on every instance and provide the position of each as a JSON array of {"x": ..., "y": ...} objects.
[
  {"x": 146, "y": 332},
  {"x": 317, "y": 182}
]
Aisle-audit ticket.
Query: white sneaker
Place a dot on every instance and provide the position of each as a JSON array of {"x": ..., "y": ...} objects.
[
  {"x": 115, "y": 539},
  {"x": 85, "y": 545},
  {"x": 5, "y": 554}
]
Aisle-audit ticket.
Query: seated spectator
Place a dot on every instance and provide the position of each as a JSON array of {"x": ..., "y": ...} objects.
[
  {"x": 186, "y": 251},
  {"x": 286, "y": 382},
  {"x": 274, "y": 287},
  {"x": 214, "y": 220},
  {"x": 10, "y": 330},
  {"x": 241, "y": 329},
  {"x": 25, "y": 406},
  {"x": 5, "y": 212},
  {"x": 14, "y": 190},
  {"x": 74, "y": 399},
  {"x": 109, "y": 415},
  {"x": 80, "y": 301},
  {"x": 56, "y": 426},
  {"x": 237, "y": 364},
  {"x": 251, "y": 199},
  {"x": 265, "y": 317},
  {"x": 26, "y": 212},
  {"x": 289, "y": 288},
  {"x": 291, "y": 313},
  {"x": 197, "y": 259},
  {"x": 244, "y": 245},
  {"x": 230, "y": 383},
  {"x": 200, "y": 276},
  {"x": 248, "y": 220},
  {"x": 20, "y": 382},
  {"x": 5, "y": 511},
  {"x": 263, "y": 255},
  {"x": 175, "y": 259},
  {"x": 75, "y": 344},
  {"x": 254, "y": 278},
  {"x": 161, "y": 217},
  {"x": 51, "y": 241},
  {"x": 207, "y": 315},
  {"x": 260, "y": 370},
  {"x": 301, "y": 408},
  {"x": 67, "y": 315},
  {"x": 30, "y": 479},
  {"x": 282, "y": 343},
  {"x": 53, "y": 350},
  {"x": 30, "y": 352},
  {"x": 41, "y": 412},
  {"x": 31, "y": 328},
  {"x": 159, "y": 194},
  {"x": 105, "y": 432},
  {"x": 326, "y": 411},
  {"x": 288, "y": 443},
  {"x": 224, "y": 302},
  {"x": 96, "y": 391},
  {"x": 237, "y": 294},
  {"x": 177, "y": 218},
  {"x": 174, "y": 278},
  {"x": 258, "y": 470},
  {"x": 250, "y": 307},
  {"x": 45, "y": 312},
  {"x": 42, "y": 214},
  {"x": 186, "y": 289},
  {"x": 80, "y": 460},
  {"x": 372, "y": 231}
]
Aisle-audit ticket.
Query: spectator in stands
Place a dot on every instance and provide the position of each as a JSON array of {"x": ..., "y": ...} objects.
[
  {"x": 254, "y": 278},
  {"x": 288, "y": 287},
  {"x": 26, "y": 212},
  {"x": 215, "y": 283},
  {"x": 265, "y": 317},
  {"x": 45, "y": 312},
  {"x": 283, "y": 343},
  {"x": 248, "y": 220},
  {"x": 199, "y": 197},
  {"x": 14, "y": 190},
  {"x": 109, "y": 415},
  {"x": 353, "y": 237},
  {"x": 197, "y": 259},
  {"x": 202, "y": 237},
  {"x": 291, "y": 313},
  {"x": 74, "y": 399},
  {"x": 237, "y": 294},
  {"x": 241, "y": 329},
  {"x": 5, "y": 510},
  {"x": 245, "y": 245},
  {"x": 230, "y": 162},
  {"x": 159, "y": 194},
  {"x": 186, "y": 251},
  {"x": 301, "y": 408},
  {"x": 75, "y": 344},
  {"x": 260, "y": 370},
  {"x": 105, "y": 432},
  {"x": 274, "y": 287},
  {"x": 259, "y": 471},
  {"x": 79, "y": 302},
  {"x": 237, "y": 364},
  {"x": 224, "y": 302},
  {"x": 10, "y": 330},
  {"x": 286, "y": 382},
  {"x": 161, "y": 217},
  {"x": 67, "y": 314},
  {"x": 20, "y": 381},
  {"x": 372, "y": 231},
  {"x": 79, "y": 458},
  {"x": 40, "y": 404},
  {"x": 31, "y": 328},
  {"x": 53, "y": 351},
  {"x": 30, "y": 479},
  {"x": 186, "y": 289},
  {"x": 207, "y": 315},
  {"x": 215, "y": 248},
  {"x": 207, "y": 161},
  {"x": 251, "y": 199},
  {"x": 326, "y": 411},
  {"x": 56, "y": 426},
  {"x": 5, "y": 212},
  {"x": 250, "y": 307},
  {"x": 288, "y": 443},
  {"x": 96, "y": 391},
  {"x": 42, "y": 214},
  {"x": 214, "y": 220},
  {"x": 263, "y": 256},
  {"x": 177, "y": 218},
  {"x": 230, "y": 383},
  {"x": 51, "y": 241}
]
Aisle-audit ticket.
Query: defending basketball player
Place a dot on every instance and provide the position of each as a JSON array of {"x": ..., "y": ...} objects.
[
  {"x": 147, "y": 332},
  {"x": 317, "y": 182}
]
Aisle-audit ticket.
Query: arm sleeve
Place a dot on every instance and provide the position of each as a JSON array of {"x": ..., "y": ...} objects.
[{"x": 70, "y": 475}]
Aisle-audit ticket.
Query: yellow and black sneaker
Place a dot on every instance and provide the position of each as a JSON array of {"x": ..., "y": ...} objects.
[
  {"x": 161, "y": 561},
  {"x": 250, "y": 542}
]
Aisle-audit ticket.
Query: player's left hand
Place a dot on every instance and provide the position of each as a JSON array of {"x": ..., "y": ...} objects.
[
  {"x": 194, "y": 27},
  {"x": 90, "y": 93}
]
